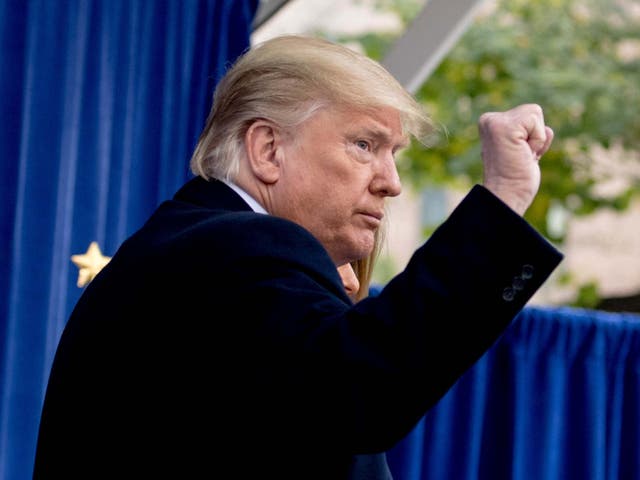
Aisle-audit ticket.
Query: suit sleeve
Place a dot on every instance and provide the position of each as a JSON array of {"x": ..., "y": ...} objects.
[
  {"x": 377, "y": 367},
  {"x": 457, "y": 295}
]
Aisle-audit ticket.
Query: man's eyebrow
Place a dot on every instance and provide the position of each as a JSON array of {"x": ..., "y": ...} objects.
[{"x": 384, "y": 135}]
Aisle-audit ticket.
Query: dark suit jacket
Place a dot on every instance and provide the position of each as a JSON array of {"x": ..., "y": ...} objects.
[{"x": 221, "y": 340}]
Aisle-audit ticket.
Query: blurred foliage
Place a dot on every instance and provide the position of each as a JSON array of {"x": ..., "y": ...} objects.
[
  {"x": 587, "y": 296},
  {"x": 580, "y": 60}
]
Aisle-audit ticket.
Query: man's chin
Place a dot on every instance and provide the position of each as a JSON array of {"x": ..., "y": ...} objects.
[
  {"x": 365, "y": 248},
  {"x": 355, "y": 247}
]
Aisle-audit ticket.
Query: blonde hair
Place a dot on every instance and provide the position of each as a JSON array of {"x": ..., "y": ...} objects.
[{"x": 286, "y": 80}]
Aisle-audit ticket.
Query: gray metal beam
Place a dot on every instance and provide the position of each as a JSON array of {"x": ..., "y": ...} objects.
[
  {"x": 266, "y": 9},
  {"x": 428, "y": 39}
]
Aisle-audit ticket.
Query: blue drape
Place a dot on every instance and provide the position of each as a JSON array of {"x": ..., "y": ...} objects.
[
  {"x": 556, "y": 398},
  {"x": 101, "y": 103}
]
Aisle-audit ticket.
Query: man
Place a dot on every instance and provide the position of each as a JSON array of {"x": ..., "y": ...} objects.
[{"x": 220, "y": 338}]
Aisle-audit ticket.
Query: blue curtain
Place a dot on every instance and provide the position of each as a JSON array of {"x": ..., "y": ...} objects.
[
  {"x": 556, "y": 398},
  {"x": 101, "y": 103}
]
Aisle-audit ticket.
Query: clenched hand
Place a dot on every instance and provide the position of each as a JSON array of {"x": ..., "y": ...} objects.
[{"x": 512, "y": 144}]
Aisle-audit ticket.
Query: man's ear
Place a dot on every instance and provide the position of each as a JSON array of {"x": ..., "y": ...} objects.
[{"x": 263, "y": 145}]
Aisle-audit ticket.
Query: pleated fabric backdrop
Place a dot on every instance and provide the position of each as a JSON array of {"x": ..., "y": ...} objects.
[
  {"x": 556, "y": 398},
  {"x": 101, "y": 104}
]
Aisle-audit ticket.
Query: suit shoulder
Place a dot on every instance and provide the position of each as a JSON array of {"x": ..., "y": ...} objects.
[{"x": 175, "y": 223}]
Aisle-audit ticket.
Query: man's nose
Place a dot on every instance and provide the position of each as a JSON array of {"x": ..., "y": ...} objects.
[{"x": 386, "y": 181}]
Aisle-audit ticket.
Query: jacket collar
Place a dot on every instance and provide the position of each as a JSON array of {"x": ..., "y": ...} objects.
[{"x": 211, "y": 194}]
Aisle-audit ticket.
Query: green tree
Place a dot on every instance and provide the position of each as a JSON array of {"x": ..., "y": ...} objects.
[{"x": 579, "y": 59}]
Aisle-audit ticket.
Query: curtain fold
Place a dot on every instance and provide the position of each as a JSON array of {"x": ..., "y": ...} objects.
[
  {"x": 557, "y": 397},
  {"x": 101, "y": 104}
]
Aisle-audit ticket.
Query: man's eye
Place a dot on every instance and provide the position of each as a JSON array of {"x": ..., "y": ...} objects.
[{"x": 362, "y": 144}]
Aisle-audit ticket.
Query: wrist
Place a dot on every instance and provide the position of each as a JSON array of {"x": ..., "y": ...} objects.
[{"x": 515, "y": 200}]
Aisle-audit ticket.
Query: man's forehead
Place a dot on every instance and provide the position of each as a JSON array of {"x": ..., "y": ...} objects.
[{"x": 383, "y": 123}]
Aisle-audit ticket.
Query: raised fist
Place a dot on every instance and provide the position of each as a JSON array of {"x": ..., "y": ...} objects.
[{"x": 512, "y": 144}]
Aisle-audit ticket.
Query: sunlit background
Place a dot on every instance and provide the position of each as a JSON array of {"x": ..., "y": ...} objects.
[{"x": 579, "y": 59}]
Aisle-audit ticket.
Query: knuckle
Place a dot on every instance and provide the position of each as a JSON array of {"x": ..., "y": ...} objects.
[
  {"x": 535, "y": 108},
  {"x": 488, "y": 118}
]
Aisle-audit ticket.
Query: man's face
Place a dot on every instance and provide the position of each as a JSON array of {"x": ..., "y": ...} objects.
[
  {"x": 350, "y": 280},
  {"x": 336, "y": 173}
]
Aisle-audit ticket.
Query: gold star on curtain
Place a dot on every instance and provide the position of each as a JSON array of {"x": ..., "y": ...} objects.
[{"x": 89, "y": 264}]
